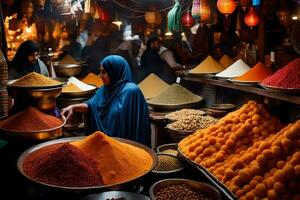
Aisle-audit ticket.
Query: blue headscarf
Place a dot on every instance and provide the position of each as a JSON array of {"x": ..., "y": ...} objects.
[{"x": 119, "y": 109}]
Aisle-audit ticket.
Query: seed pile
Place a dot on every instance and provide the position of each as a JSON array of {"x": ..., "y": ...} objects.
[
  {"x": 167, "y": 163},
  {"x": 193, "y": 123},
  {"x": 177, "y": 115},
  {"x": 179, "y": 192},
  {"x": 170, "y": 152}
]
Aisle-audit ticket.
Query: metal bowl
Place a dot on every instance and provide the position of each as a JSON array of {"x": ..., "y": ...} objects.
[
  {"x": 117, "y": 195},
  {"x": 42, "y": 98},
  {"x": 67, "y": 70},
  {"x": 164, "y": 147},
  {"x": 169, "y": 172},
  {"x": 40, "y": 135},
  {"x": 203, "y": 188},
  {"x": 79, "y": 94},
  {"x": 81, "y": 190}
]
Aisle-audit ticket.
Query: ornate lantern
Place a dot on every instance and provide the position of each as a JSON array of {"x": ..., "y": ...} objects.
[
  {"x": 187, "y": 19},
  {"x": 226, "y": 7},
  {"x": 205, "y": 11},
  {"x": 251, "y": 18},
  {"x": 153, "y": 18},
  {"x": 196, "y": 9}
]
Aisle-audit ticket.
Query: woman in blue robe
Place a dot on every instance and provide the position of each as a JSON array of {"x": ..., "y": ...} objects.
[{"x": 118, "y": 108}]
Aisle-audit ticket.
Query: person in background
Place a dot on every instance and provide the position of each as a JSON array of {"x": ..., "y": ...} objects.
[
  {"x": 151, "y": 62},
  {"x": 26, "y": 60},
  {"x": 118, "y": 108}
]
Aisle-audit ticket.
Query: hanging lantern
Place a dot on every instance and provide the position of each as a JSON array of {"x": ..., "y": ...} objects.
[
  {"x": 187, "y": 19},
  {"x": 102, "y": 14},
  {"x": 153, "y": 18},
  {"x": 256, "y": 2},
  {"x": 251, "y": 18},
  {"x": 245, "y": 3},
  {"x": 226, "y": 7},
  {"x": 196, "y": 9},
  {"x": 204, "y": 11}
]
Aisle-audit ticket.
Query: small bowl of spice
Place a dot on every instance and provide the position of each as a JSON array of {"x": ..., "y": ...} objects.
[
  {"x": 183, "y": 189},
  {"x": 167, "y": 165},
  {"x": 170, "y": 149}
]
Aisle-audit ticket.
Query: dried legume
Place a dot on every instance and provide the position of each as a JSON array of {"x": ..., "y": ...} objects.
[{"x": 167, "y": 163}]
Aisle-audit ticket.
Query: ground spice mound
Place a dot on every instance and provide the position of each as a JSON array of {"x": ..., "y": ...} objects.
[
  {"x": 68, "y": 59},
  {"x": 34, "y": 79},
  {"x": 208, "y": 65},
  {"x": 71, "y": 88},
  {"x": 152, "y": 86},
  {"x": 30, "y": 119},
  {"x": 286, "y": 77},
  {"x": 93, "y": 79},
  {"x": 62, "y": 165},
  {"x": 226, "y": 61},
  {"x": 257, "y": 73},
  {"x": 117, "y": 161}
]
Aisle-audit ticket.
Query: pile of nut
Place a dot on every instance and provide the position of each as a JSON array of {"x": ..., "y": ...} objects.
[
  {"x": 192, "y": 123},
  {"x": 177, "y": 115},
  {"x": 179, "y": 192}
]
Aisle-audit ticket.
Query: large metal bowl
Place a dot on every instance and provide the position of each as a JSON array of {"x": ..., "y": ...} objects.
[
  {"x": 40, "y": 135},
  {"x": 202, "y": 188},
  {"x": 85, "y": 190},
  {"x": 42, "y": 98},
  {"x": 67, "y": 70},
  {"x": 117, "y": 195}
]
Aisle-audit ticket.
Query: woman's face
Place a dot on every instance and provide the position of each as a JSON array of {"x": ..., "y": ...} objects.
[{"x": 104, "y": 76}]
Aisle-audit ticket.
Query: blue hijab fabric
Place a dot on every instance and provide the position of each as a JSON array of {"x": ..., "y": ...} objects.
[{"x": 119, "y": 109}]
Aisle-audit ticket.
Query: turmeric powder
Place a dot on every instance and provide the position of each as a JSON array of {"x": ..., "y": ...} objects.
[
  {"x": 68, "y": 59},
  {"x": 34, "y": 79},
  {"x": 71, "y": 88},
  {"x": 93, "y": 79},
  {"x": 117, "y": 161}
]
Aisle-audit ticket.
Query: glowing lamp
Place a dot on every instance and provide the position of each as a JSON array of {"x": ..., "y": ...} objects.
[
  {"x": 153, "y": 18},
  {"x": 187, "y": 19},
  {"x": 251, "y": 18},
  {"x": 204, "y": 11},
  {"x": 226, "y": 7},
  {"x": 196, "y": 9}
]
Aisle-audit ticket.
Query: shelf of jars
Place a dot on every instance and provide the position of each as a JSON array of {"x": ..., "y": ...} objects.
[{"x": 292, "y": 98}]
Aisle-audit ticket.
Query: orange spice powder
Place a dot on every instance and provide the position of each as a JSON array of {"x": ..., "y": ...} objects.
[
  {"x": 34, "y": 79},
  {"x": 93, "y": 79},
  {"x": 117, "y": 162},
  {"x": 258, "y": 73},
  {"x": 71, "y": 88}
]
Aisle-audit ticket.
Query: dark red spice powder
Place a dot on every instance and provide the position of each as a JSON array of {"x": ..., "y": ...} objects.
[
  {"x": 30, "y": 119},
  {"x": 62, "y": 165},
  {"x": 286, "y": 77}
]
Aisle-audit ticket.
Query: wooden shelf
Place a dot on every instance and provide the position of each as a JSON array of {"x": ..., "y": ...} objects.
[{"x": 255, "y": 90}]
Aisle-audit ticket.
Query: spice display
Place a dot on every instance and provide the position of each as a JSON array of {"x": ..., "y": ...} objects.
[
  {"x": 152, "y": 86},
  {"x": 30, "y": 119},
  {"x": 62, "y": 165},
  {"x": 177, "y": 115},
  {"x": 236, "y": 69},
  {"x": 34, "y": 79},
  {"x": 167, "y": 163},
  {"x": 257, "y": 73},
  {"x": 246, "y": 152},
  {"x": 192, "y": 123},
  {"x": 93, "y": 79},
  {"x": 68, "y": 59},
  {"x": 179, "y": 192},
  {"x": 117, "y": 161},
  {"x": 208, "y": 65},
  {"x": 175, "y": 95},
  {"x": 226, "y": 61},
  {"x": 170, "y": 152},
  {"x": 286, "y": 77},
  {"x": 71, "y": 88}
]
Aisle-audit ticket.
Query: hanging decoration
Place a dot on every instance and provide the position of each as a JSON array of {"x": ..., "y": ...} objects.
[
  {"x": 174, "y": 18},
  {"x": 251, "y": 19},
  {"x": 187, "y": 19},
  {"x": 205, "y": 12},
  {"x": 196, "y": 9},
  {"x": 245, "y": 4},
  {"x": 256, "y": 2},
  {"x": 153, "y": 18},
  {"x": 226, "y": 7}
]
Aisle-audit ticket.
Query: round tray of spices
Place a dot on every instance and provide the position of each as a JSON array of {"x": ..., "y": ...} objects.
[
  {"x": 278, "y": 89},
  {"x": 71, "y": 166}
]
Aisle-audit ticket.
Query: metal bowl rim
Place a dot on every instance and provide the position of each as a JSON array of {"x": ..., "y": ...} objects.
[
  {"x": 165, "y": 145},
  {"x": 49, "y": 87},
  {"x": 182, "y": 180},
  {"x": 70, "y": 139}
]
